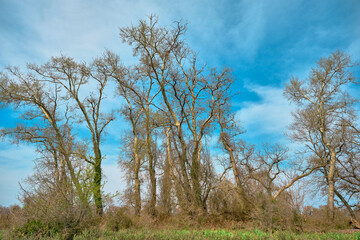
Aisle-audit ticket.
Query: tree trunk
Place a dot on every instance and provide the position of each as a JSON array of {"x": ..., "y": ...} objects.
[
  {"x": 152, "y": 186},
  {"x": 183, "y": 154},
  {"x": 136, "y": 178},
  {"x": 233, "y": 165},
  {"x": 178, "y": 186},
  {"x": 151, "y": 166},
  {"x": 76, "y": 182},
  {"x": 331, "y": 172},
  {"x": 62, "y": 176},
  {"x": 166, "y": 180},
  {"x": 97, "y": 183},
  {"x": 232, "y": 159},
  {"x": 331, "y": 183},
  {"x": 195, "y": 177},
  {"x": 231, "y": 154}
]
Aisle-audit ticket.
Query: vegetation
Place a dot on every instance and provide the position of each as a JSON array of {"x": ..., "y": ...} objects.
[
  {"x": 173, "y": 103},
  {"x": 204, "y": 234}
]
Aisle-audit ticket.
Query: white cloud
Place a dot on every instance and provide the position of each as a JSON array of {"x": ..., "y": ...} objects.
[
  {"x": 16, "y": 165},
  {"x": 72, "y": 27},
  {"x": 114, "y": 182},
  {"x": 269, "y": 116},
  {"x": 83, "y": 30},
  {"x": 9, "y": 184}
]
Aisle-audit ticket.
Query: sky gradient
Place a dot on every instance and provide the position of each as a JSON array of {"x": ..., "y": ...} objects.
[{"x": 263, "y": 42}]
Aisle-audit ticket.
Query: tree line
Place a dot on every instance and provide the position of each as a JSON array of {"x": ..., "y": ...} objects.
[{"x": 172, "y": 103}]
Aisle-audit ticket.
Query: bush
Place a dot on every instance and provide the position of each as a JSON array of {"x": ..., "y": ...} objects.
[
  {"x": 227, "y": 201},
  {"x": 5, "y": 216},
  {"x": 316, "y": 219},
  {"x": 270, "y": 214},
  {"x": 46, "y": 214},
  {"x": 117, "y": 218},
  {"x": 35, "y": 228}
]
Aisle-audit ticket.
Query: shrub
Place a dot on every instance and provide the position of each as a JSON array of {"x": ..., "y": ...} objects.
[
  {"x": 227, "y": 201},
  {"x": 316, "y": 219},
  {"x": 117, "y": 218},
  {"x": 270, "y": 214},
  {"x": 5, "y": 216},
  {"x": 35, "y": 228}
]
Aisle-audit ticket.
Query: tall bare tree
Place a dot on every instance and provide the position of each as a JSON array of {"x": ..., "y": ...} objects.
[
  {"x": 187, "y": 94},
  {"x": 139, "y": 93},
  {"x": 68, "y": 78},
  {"x": 324, "y": 104},
  {"x": 41, "y": 102}
]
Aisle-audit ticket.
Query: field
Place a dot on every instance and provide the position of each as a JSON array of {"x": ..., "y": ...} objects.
[{"x": 198, "y": 234}]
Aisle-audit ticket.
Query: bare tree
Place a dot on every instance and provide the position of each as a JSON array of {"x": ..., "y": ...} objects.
[
  {"x": 72, "y": 77},
  {"x": 40, "y": 102},
  {"x": 230, "y": 132},
  {"x": 68, "y": 78},
  {"x": 139, "y": 93},
  {"x": 188, "y": 94},
  {"x": 324, "y": 104},
  {"x": 134, "y": 114}
]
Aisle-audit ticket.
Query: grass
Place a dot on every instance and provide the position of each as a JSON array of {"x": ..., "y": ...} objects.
[
  {"x": 214, "y": 234},
  {"x": 199, "y": 234}
]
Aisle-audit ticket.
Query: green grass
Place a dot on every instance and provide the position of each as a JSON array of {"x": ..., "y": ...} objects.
[
  {"x": 198, "y": 234},
  {"x": 215, "y": 234}
]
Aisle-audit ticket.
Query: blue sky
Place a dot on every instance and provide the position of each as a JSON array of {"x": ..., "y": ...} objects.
[{"x": 264, "y": 42}]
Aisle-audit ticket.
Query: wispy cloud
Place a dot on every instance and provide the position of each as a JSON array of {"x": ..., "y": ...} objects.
[
  {"x": 232, "y": 30},
  {"x": 268, "y": 118},
  {"x": 76, "y": 28},
  {"x": 114, "y": 182},
  {"x": 16, "y": 165}
]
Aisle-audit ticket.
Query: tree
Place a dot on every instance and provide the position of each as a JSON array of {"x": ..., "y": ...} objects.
[
  {"x": 187, "y": 95},
  {"x": 324, "y": 105},
  {"x": 50, "y": 130},
  {"x": 133, "y": 113},
  {"x": 59, "y": 190},
  {"x": 71, "y": 77},
  {"x": 68, "y": 79},
  {"x": 139, "y": 93}
]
